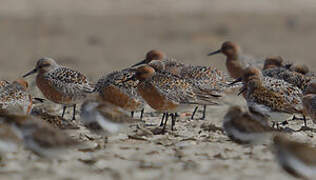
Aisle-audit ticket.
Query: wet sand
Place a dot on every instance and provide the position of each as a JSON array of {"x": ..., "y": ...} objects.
[{"x": 100, "y": 37}]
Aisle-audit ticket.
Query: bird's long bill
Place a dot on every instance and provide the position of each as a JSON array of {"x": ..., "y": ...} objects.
[
  {"x": 242, "y": 90},
  {"x": 30, "y": 73},
  {"x": 141, "y": 62},
  {"x": 215, "y": 52},
  {"x": 236, "y": 81}
]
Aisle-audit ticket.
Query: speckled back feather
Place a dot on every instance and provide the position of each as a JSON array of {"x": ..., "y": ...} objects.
[{"x": 69, "y": 82}]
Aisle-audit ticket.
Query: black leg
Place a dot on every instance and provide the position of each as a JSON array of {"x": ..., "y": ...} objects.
[
  {"x": 304, "y": 119},
  {"x": 165, "y": 124},
  {"x": 64, "y": 109},
  {"x": 74, "y": 113},
  {"x": 132, "y": 114},
  {"x": 163, "y": 117},
  {"x": 173, "y": 122},
  {"x": 195, "y": 109},
  {"x": 141, "y": 114},
  {"x": 204, "y": 112}
]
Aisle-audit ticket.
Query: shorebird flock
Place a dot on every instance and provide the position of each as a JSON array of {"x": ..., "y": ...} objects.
[{"x": 275, "y": 93}]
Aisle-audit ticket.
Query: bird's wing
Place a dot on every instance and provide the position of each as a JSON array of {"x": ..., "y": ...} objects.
[{"x": 68, "y": 81}]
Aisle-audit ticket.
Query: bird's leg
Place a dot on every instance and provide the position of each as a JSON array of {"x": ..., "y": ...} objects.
[
  {"x": 204, "y": 112},
  {"x": 297, "y": 118},
  {"x": 304, "y": 119},
  {"x": 195, "y": 109},
  {"x": 173, "y": 122},
  {"x": 64, "y": 110},
  {"x": 141, "y": 114},
  {"x": 132, "y": 114},
  {"x": 163, "y": 117},
  {"x": 273, "y": 124},
  {"x": 74, "y": 113},
  {"x": 165, "y": 124}
]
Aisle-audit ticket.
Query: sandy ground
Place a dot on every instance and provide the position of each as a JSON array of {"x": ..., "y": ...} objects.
[{"x": 101, "y": 36}]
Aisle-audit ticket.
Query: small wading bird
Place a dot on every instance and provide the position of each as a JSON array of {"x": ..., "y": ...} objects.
[
  {"x": 104, "y": 118},
  {"x": 60, "y": 84},
  {"x": 168, "y": 93},
  {"x": 274, "y": 68},
  {"x": 244, "y": 128},
  {"x": 236, "y": 62},
  {"x": 36, "y": 135},
  {"x": 15, "y": 99},
  {"x": 206, "y": 78},
  {"x": 114, "y": 88},
  {"x": 270, "y": 98}
]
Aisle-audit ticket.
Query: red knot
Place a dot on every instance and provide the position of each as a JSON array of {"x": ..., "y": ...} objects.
[
  {"x": 235, "y": 60},
  {"x": 274, "y": 68},
  {"x": 167, "y": 93},
  {"x": 15, "y": 99},
  {"x": 271, "y": 98},
  {"x": 60, "y": 84},
  {"x": 243, "y": 128},
  {"x": 103, "y": 117},
  {"x": 296, "y": 158},
  {"x": 37, "y": 135},
  {"x": 205, "y": 77},
  {"x": 114, "y": 88}
]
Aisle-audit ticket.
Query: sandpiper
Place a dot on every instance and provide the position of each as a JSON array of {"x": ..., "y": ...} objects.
[
  {"x": 204, "y": 77},
  {"x": 114, "y": 88},
  {"x": 270, "y": 98},
  {"x": 15, "y": 98},
  {"x": 234, "y": 63},
  {"x": 102, "y": 117},
  {"x": 60, "y": 84},
  {"x": 37, "y": 135},
  {"x": 244, "y": 128},
  {"x": 167, "y": 93},
  {"x": 296, "y": 158},
  {"x": 274, "y": 67}
]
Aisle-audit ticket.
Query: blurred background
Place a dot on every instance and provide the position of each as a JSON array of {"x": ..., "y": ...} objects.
[{"x": 99, "y": 36}]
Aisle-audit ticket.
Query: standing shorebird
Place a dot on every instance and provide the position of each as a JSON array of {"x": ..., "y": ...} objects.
[
  {"x": 235, "y": 61},
  {"x": 60, "y": 84},
  {"x": 274, "y": 68},
  {"x": 243, "y": 128},
  {"x": 14, "y": 97},
  {"x": 114, "y": 88},
  {"x": 271, "y": 98},
  {"x": 204, "y": 77},
  {"x": 167, "y": 93},
  {"x": 296, "y": 158},
  {"x": 103, "y": 117}
]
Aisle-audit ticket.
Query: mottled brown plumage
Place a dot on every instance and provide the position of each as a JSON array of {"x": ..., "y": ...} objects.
[
  {"x": 244, "y": 128},
  {"x": 60, "y": 84}
]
